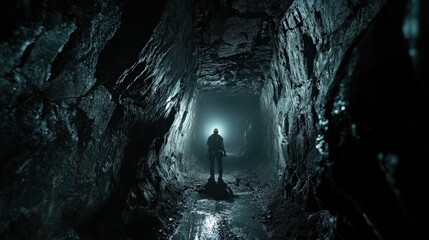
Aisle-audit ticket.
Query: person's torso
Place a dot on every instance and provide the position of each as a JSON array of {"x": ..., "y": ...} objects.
[{"x": 215, "y": 142}]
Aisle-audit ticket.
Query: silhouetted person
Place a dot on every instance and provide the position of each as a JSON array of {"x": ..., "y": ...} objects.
[{"x": 216, "y": 151}]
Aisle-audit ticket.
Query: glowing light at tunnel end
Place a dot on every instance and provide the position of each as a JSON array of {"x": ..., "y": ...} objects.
[{"x": 210, "y": 126}]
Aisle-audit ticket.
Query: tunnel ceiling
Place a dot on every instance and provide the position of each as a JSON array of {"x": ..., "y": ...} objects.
[{"x": 234, "y": 42}]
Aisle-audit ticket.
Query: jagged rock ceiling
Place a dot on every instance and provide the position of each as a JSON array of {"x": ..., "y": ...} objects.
[{"x": 234, "y": 42}]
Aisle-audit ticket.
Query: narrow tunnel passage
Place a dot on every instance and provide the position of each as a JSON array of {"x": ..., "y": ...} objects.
[
  {"x": 106, "y": 108},
  {"x": 227, "y": 206},
  {"x": 240, "y": 124}
]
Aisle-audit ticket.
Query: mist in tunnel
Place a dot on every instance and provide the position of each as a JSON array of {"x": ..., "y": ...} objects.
[
  {"x": 106, "y": 107},
  {"x": 239, "y": 123}
]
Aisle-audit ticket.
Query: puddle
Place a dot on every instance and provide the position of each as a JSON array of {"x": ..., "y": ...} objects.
[{"x": 207, "y": 218}]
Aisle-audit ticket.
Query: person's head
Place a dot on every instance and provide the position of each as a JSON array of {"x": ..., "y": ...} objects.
[{"x": 215, "y": 131}]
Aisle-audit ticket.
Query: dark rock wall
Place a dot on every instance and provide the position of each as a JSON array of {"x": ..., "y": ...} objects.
[
  {"x": 311, "y": 42},
  {"x": 344, "y": 107},
  {"x": 234, "y": 41},
  {"x": 53, "y": 117},
  {"x": 375, "y": 135},
  {"x": 84, "y": 156}
]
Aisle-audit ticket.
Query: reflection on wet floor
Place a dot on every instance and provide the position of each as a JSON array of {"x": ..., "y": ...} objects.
[{"x": 220, "y": 215}]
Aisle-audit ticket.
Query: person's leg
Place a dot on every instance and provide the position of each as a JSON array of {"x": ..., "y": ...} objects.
[
  {"x": 212, "y": 159},
  {"x": 219, "y": 165}
]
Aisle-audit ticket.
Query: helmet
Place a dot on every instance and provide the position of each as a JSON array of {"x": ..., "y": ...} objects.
[{"x": 215, "y": 130}]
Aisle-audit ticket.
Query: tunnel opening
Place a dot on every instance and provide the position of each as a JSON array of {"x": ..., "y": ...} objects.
[{"x": 239, "y": 122}]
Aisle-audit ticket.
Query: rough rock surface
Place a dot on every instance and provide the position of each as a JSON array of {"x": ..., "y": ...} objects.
[
  {"x": 54, "y": 118},
  {"x": 375, "y": 135},
  {"x": 312, "y": 39},
  {"x": 234, "y": 41},
  {"x": 331, "y": 75},
  {"x": 83, "y": 156}
]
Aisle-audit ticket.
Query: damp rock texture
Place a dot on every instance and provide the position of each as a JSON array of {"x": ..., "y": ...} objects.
[
  {"x": 343, "y": 130},
  {"x": 312, "y": 39},
  {"x": 234, "y": 41},
  {"x": 376, "y": 134},
  {"x": 87, "y": 148}
]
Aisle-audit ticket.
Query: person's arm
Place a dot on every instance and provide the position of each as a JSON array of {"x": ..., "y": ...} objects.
[{"x": 223, "y": 148}]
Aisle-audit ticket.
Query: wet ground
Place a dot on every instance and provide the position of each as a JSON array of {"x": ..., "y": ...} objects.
[{"x": 230, "y": 209}]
